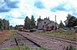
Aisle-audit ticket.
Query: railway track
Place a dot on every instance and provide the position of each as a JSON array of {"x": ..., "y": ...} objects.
[
  {"x": 64, "y": 40},
  {"x": 59, "y": 39},
  {"x": 35, "y": 41},
  {"x": 26, "y": 42},
  {"x": 17, "y": 44},
  {"x": 50, "y": 42}
]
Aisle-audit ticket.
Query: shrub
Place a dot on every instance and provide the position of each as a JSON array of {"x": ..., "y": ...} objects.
[{"x": 70, "y": 48}]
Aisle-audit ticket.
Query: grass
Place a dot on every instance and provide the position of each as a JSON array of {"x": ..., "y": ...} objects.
[
  {"x": 70, "y": 47},
  {"x": 63, "y": 34},
  {"x": 13, "y": 48},
  {"x": 14, "y": 34},
  {"x": 23, "y": 48},
  {"x": 5, "y": 35}
]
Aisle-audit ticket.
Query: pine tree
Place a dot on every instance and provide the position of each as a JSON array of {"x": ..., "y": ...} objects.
[
  {"x": 1, "y": 26},
  {"x": 61, "y": 25},
  {"x": 27, "y": 23},
  {"x": 32, "y": 22},
  {"x": 39, "y": 19}
]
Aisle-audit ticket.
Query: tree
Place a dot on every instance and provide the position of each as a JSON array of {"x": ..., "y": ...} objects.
[
  {"x": 27, "y": 23},
  {"x": 11, "y": 27},
  {"x": 32, "y": 22},
  {"x": 72, "y": 21},
  {"x": 4, "y": 24},
  {"x": 61, "y": 25},
  {"x": 1, "y": 26},
  {"x": 47, "y": 18},
  {"x": 39, "y": 19},
  {"x": 7, "y": 24}
]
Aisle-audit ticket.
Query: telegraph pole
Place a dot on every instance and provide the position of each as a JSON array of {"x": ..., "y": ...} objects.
[{"x": 55, "y": 23}]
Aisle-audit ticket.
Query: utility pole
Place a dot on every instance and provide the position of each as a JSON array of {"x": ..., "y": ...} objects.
[{"x": 55, "y": 23}]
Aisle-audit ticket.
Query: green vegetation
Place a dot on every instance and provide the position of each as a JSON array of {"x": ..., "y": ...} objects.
[
  {"x": 13, "y": 35},
  {"x": 29, "y": 23},
  {"x": 23, "y": 48},
  {"x": 4, "y": 24},
  {"x": 71, "y": 48},
  {"x": 5, "y": 35},
  {"x": 72, "y": 21},
  {"x": 13, "y": 48},
  {"x": 32, "y": 22},
  {"x": 39, "y": 19},
  {"x": 61, "y": 25},
  {"x": 63, "y": 34}
]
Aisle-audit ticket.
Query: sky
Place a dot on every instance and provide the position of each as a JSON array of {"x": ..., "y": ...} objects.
[{"x": 16, "y": 10}]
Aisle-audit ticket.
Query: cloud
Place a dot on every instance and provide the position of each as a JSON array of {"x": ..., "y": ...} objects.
[
  {"x": 60, "y": 7},
  {"x": 11, "y": 3},
  {"x": 4, "y": 10},
  {"x": 21, "y": 17},
  {"x": 74, "y": 12},
  {"x": 61, "y": 15},
  {"x": 15, "y": 13},
  {"x": 16, "y": 10},
  {"x": 67, "y": 6},
  {"x": 17, "y": 22},
  {"x": 9, "y": 17},
  {"x": 43, "y": 13},
  {"x": 3, "y": 7},
  {"x": 7, "y": 5},
  {"x": 39, "y": 5},
  {"x": 73, "y": 3}
]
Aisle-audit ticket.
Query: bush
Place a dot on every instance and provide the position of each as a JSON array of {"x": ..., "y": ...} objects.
[{"x": 70, "y": 48}]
